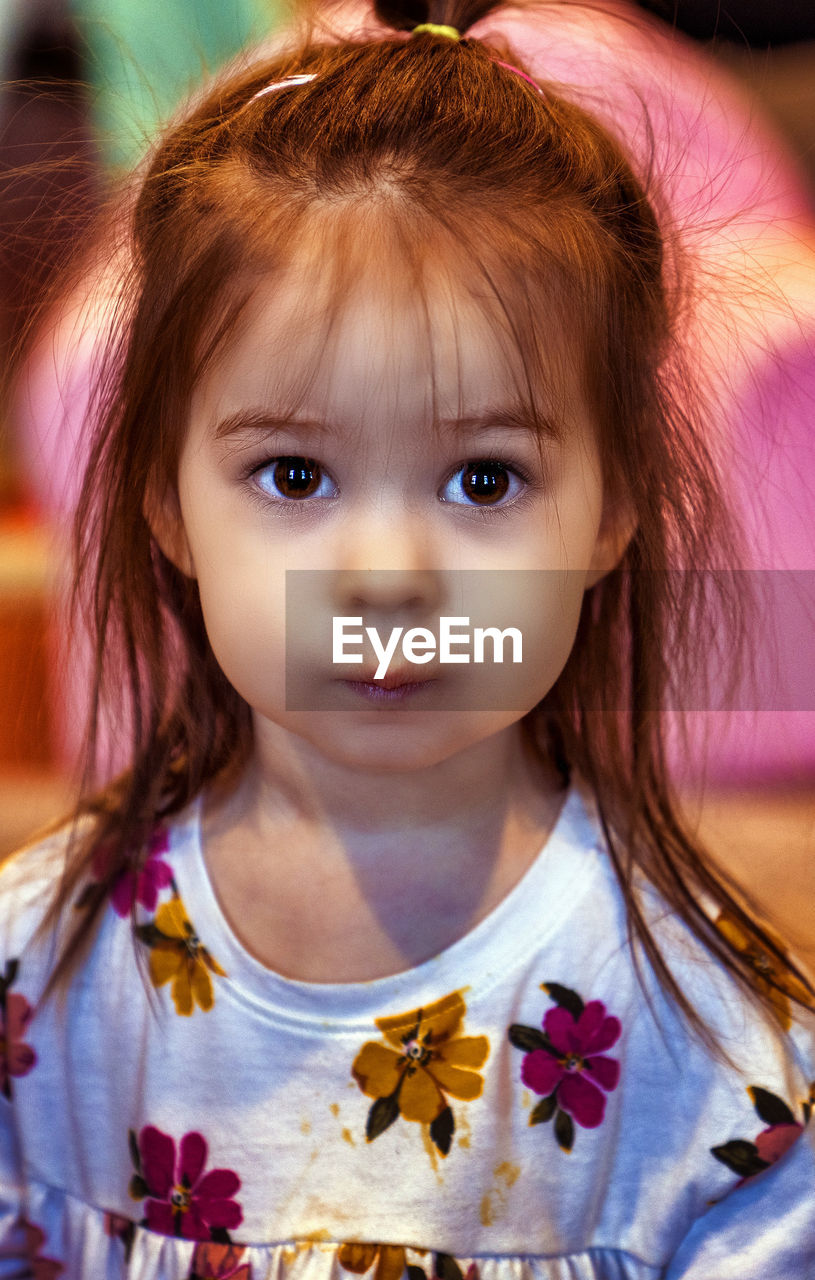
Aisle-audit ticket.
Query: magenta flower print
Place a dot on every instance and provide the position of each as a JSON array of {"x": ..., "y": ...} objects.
[
  {"x": 16, "y": 1057},
  {"x": 42, "y": 1268},
  {"x": 566, "y": 1062},
  {"x": 180, "y": 1198},
  {"x": 120, "y": 1228},
  {"x": 142, "y": 887},
  {"x": 580, "y": 1072}
]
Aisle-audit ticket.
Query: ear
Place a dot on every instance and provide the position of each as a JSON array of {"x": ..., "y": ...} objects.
[
  {"x": 163, "y": 515},
  {"x": 617, "y": 528}
]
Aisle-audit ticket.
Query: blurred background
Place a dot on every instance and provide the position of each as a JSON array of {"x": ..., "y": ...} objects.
[{"x": 85, "y": 85}]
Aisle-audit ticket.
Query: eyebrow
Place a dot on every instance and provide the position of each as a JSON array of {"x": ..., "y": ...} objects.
[
  {"x": 263, "y": 422},
  {"x": 513, "y": 417}
]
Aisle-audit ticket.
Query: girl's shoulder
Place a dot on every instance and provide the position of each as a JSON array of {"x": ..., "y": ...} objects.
[
  {"x": 45, "y": 885},
  {"x": 772, "y": 1005},
  {"x": 29, "y": 881},
  {"x": 768, "y": 1031}
]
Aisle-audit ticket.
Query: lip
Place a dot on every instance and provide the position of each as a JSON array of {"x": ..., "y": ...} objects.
[
  {"x": 392, "y": 679},
  {"x": 393, "y": 688}
]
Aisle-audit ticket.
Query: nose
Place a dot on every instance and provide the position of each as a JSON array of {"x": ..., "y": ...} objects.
[
  {"x": 387, "y": 591},
  {"x": 386, "y": 563}
]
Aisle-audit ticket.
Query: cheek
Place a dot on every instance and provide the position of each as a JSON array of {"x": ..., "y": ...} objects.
[
  {"x": 546, "y": 613},
  {"x": 516, "y": 628},
  {"x": 553, "y": 629},
  {"x": 245, "y": 622}
]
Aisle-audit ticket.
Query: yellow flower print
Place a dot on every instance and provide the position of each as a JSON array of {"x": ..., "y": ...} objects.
[
  {"x": 424, "y": 1059},
  {"x": 391, "y": 1263},
  {"x": 389, "y": 1259},
  {"x": 767, "y": 969},
  {"x": 177, "y": 955}
]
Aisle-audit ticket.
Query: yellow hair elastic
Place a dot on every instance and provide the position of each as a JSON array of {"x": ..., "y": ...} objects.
[{"x": 436, "y": 29}]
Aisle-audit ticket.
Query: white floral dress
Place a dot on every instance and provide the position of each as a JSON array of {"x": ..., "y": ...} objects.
[{"x": 512, "y": 1109}]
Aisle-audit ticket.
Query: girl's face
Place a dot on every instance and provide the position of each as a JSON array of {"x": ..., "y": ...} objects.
[{"x": 386, "y": 450}]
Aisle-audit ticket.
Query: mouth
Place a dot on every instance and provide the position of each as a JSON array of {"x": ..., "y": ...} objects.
[
  {"x": 392, "y": 679},
  {"x": 394, "y": 687}
]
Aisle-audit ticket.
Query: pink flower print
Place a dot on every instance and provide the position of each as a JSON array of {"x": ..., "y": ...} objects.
[
  {"x": 772, "y": 1143},
  {"x": 219, "y": 1262},
  {"x": 41, "y": 1268},
  {"x": 580, "y": 1071},
  {"x": 120, "y": 1228},
  {"x": 16, "y": 1057},
  {"x": 566, "y": 1062},
  {"x": 116, "y": 1225},
  {"x": 143, "y": 887},
  {"x": 182, "y": 1200}
]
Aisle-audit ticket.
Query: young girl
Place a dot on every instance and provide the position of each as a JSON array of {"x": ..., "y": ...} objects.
[{"x": 352, "y": 974}]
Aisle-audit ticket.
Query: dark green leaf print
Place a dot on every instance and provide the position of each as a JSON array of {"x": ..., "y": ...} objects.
[
  {"x": 564, "y": 1130},
  {"x": 740, "y": 1156},
  {"x": 771, "y": 1109},
  {"x": 528, "y": 1039},
  {"x": 442, "y": 1130},
  {"x": 138, "y": 1188},
  {"x": 150, "y": 935},
  {"x": 543, "y": 1110},
  {"x": 565, "y": 997},
  {"x": 447, "y": 1268},
  {"x": 381, "y": 1116}
]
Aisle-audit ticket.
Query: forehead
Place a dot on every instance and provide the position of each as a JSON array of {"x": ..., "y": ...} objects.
[{"x": 362, "y": 328}]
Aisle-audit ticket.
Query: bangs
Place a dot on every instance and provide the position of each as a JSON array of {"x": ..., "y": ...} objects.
[{"x": 414, "y": 284}]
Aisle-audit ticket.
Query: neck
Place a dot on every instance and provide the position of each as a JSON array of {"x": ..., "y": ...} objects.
[
  {"x": 303, "y": 846},
  {"x": 289, "y": 779}
]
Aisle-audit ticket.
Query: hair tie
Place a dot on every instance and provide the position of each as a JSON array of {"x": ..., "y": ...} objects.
[
  {"x": 436, "y": 29},
  {"x": 289, "y": 82}
]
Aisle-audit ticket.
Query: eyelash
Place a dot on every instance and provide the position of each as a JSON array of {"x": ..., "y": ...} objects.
[{"x": 485, "y": 511}]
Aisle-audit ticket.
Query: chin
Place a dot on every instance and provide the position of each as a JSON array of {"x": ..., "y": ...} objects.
[{"x": 396, "y": 747}]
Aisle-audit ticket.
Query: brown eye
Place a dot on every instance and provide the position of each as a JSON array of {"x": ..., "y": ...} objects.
[
  {"x": 295, "y": 478},
  {"x": 482, "y": 483},
  {"x": 485, "y": 482}
]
